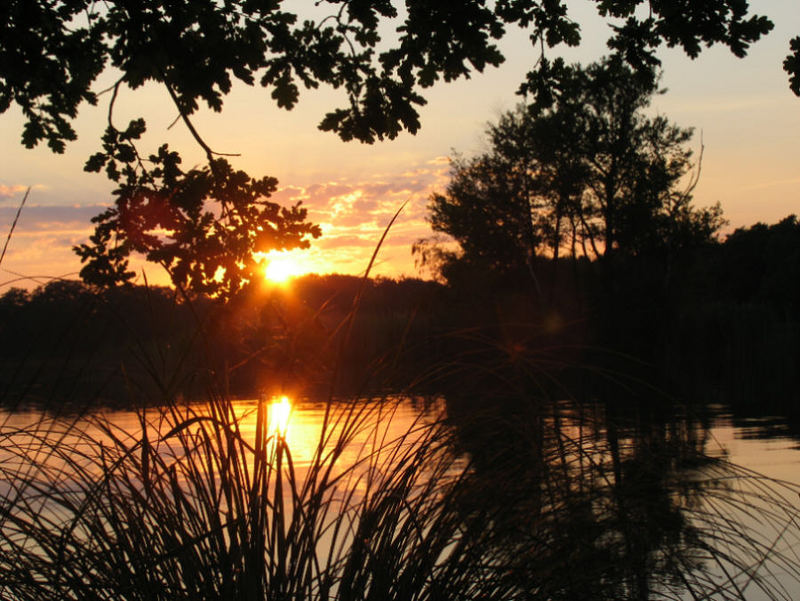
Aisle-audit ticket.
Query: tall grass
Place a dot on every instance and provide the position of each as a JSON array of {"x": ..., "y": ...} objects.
[
  {"x": 190, "y": 508},
  {"x": 196, "y": 505}
]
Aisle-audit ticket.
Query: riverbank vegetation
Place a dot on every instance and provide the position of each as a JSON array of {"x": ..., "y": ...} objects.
[
  {"x": 728, "y": 314},
  {"x": 579, "y": 300},
  {"x": 494, "y": 502}
]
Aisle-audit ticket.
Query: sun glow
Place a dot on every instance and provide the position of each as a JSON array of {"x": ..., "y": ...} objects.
[{"x": 281, "y": 268}]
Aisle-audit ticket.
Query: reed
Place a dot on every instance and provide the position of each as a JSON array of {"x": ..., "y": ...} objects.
[
  {"x": 205, "y": 503},
  {"x": 190, "y": 507}
]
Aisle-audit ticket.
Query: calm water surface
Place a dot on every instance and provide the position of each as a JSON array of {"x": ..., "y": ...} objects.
[
  {"x": 767, "y": 444},
  {"x": 575, "y": 450}
]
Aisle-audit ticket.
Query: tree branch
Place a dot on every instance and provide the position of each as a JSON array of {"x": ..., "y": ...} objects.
[{"x": 206, "y": 148}]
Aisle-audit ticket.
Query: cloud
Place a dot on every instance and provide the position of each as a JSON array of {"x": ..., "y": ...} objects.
[
  {"x": 289, "y": 195},
  {"x": 774, "y": 183},
  {"x": 7, "y": 192},
  {"x": 36, "y": 218},
  {"x": 41, "y": 245},
  {"x": 338, "y": 242},
  {"x": 727, "y": 104},
  {"x": 353, "y": 212},
  {"x": 440, "y": 160}
]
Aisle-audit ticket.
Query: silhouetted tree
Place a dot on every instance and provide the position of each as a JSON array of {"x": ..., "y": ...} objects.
[
  {"x": 203, "y": 224},
  {"x": 592, "y": 170},
  {"x": 13, "y": 298},
  {"x": 625, "y": 166},
  {"x": 488, "y": 208}
]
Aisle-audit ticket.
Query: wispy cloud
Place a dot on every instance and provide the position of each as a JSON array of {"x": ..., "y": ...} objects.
[
  {"x": 774, "y": 183},
  {"x": 727, "y": 104},
  {"x": 41, "y": 246},
  {"x": 353, "y": 214},
  {"x": 49, "y": 218},
  {"x": 7, "y": 191}
]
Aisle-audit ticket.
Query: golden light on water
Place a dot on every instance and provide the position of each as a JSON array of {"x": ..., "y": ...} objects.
[{"x": 278, "y": 413}]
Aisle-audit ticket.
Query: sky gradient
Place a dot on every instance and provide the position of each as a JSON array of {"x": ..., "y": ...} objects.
[{"x": 749, "y": 119}]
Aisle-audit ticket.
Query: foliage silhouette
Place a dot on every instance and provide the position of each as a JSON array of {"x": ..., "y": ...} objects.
[
  {"x": 53, "y": 54},
  {"x": 95, "y": 344},
  {"x": 202, "y": 226},
  {"x": 762, "y": 263},
  {"x": 592, "y": 173}
]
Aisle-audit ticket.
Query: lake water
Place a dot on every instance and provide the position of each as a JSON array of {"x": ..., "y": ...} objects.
[{"x": 643, "y": 505}]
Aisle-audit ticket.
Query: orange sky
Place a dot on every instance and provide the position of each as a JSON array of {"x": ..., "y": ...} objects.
[{"x": 749, "y": 119}]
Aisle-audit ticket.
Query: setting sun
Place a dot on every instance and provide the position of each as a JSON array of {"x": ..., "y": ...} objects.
[{"x": 280, "y": 269}]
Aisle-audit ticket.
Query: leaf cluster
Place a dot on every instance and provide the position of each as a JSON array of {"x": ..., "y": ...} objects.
[
  {"x": 202, "y": 225},
  {"x": 792, "y": 65},
  {"x": 53, "y": 53}
]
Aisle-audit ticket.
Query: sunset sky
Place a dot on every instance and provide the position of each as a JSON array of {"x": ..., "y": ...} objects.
[{"x": 750, "y": 123}]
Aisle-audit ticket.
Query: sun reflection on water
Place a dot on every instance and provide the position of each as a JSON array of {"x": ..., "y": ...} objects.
[{"x": 278, "y": 413}]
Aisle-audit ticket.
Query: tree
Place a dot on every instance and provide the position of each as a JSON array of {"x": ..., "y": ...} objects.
[
  {"x": 203, "y": 226},
  {"x": 625, "y": 167},
  {"x": 53, "y": 52},
  {"x": 593, "y": 161},
  {"x": 488, "y": 209}
]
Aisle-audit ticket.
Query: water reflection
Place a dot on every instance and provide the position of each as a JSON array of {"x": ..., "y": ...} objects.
[
  {"x": 508, "y": 498},
  {"x": 586, "y": 502},
  {"x": 280, "y": 409}
]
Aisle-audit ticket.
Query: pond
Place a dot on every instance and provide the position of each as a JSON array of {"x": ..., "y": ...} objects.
[{"x": 404, "y": 497}]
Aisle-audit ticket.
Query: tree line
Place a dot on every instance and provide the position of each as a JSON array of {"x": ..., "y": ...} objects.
[
  {"x": 726, "y": 295},
  {"x": 68, "y": 340}
]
